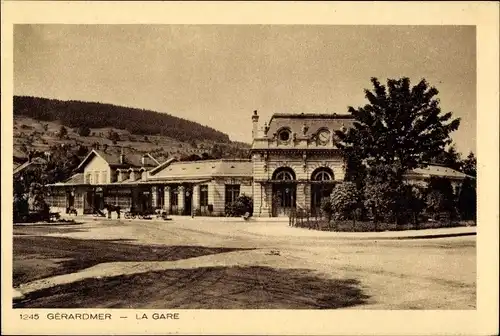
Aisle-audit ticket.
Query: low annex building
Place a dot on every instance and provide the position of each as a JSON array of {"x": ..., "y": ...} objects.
[
  {"x": 142, "y": 184},
  {"x": 294, "y": 163}
]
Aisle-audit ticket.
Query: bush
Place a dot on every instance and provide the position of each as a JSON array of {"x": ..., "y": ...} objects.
[
  {"x": 344, "y": 200},
  {"x": 410, "y": 203},
  {"x": 20, "y": 209},
  {"x": 380, "y": 200},
  {"x": 326, "y": 207},
  {"x": 467, "y": 201},
  {"x": 240, "y": 206},
  {"x": 440, "y": 198}
]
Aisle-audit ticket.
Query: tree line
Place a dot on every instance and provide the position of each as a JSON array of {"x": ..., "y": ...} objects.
[{"x": 86, "y": 115}]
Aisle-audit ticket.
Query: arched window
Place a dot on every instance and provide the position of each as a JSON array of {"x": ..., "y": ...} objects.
[
  {"x": 322, "y": 175},
  {"x": 284, "y": 174}
]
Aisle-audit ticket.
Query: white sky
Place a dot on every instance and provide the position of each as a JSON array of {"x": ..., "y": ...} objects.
[{"x": 217, "y": 75}]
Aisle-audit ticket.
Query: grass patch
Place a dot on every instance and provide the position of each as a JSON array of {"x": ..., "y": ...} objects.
[
  {"x": 40, "y": 257},
  {"x": 204, "y": 288}
]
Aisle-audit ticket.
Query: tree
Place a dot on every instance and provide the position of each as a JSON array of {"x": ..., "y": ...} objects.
[
  {"x": 63, "y": 132},
  {"x": 216, "y": 151},
  {"x": 83, "y": 130},
  {"x": 192, "y": 157},
  {"x": 450, "y": 158},
  {"x": 206, "y": 156},
  {"x": 113, "y": 136},
  {"x": 402, "y": 127},
  {"x": 469, "y": 165}
]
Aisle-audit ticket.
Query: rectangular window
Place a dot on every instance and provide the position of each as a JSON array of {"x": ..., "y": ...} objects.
[
  {"x": 232, "y": 192},
  {"x": 88, "y": 178},
  {"x": 58, "y": 199},
  {"x": 204, "y": 195},
  {"x": 104, "y": 176},
  {"x": 120, "y": 197},
  {"x": 96, "y": 177}
]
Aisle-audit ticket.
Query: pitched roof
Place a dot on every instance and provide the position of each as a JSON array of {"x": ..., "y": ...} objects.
[
  {"x": 205, "y": 168},
  {"x": 162, "y": 165},
  {"x": 439, "y": 171},
  {"x": 313, "y": 121},
  {"x": 73, "y": 180},
  {"x": 35, "y": 161},
  {"x": 133, "y": 160}
]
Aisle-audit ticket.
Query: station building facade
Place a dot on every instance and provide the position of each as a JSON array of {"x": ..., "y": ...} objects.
[{"x": 294, "y": 162}]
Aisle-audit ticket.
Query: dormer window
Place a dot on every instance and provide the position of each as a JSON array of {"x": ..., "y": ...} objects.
[{"x": 284, "y": 135}]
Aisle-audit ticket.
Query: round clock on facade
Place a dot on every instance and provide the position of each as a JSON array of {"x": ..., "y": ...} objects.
[
  {"x": 324, "y": 137},
  {"x": 284, "y": 135}
]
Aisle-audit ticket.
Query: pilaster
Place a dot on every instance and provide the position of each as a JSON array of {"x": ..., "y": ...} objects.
[
  {"x": 166, "y": 198},
  {"x": 181, "y": 197},
  {"x": 196, "y": 197}
]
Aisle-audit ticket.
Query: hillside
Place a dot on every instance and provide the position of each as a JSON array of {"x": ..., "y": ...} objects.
[
  {"x": 96, "y": 115},
  {"x": 37, "y": 129}
]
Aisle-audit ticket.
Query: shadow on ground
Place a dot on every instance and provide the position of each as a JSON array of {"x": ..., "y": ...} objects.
[
  {"x": 38, "y": 257},
  {"x": 45, "y": 228},
  {"x": 204, "y": 288}
]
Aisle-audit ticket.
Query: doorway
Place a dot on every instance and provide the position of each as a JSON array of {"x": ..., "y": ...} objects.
[
  {"x": 284, "y": 199},
  {"x": 284, "y": 191},
  {"x": 188, "y": 200},
  {"x": 321, "y": 188},
  {"x": 93, "y": 201}
]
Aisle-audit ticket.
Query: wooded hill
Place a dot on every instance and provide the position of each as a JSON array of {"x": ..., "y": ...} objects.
[{"x": 97, "y": 115}]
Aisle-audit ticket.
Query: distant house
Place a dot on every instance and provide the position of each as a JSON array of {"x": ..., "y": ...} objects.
[{"x": 294, "y": 163}]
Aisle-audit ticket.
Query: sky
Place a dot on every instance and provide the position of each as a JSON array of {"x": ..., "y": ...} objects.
[{"x": 218, "y": 75}]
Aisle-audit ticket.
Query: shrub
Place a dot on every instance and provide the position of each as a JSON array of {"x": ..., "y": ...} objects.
[
  {"x": 240, "y": 206},
  {"x": 440, "y": 198},
  {"x": 467, "y": 201},
  {"x": 344, "y": 200},
  {"x": 410, "y": 202},
  {"x": 379, "y": 200},
  {"x": 20, "y": 208},
  {"x": 326, "y": 207}
]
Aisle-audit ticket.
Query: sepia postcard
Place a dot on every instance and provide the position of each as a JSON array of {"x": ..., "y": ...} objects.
[{"x": 270, "y": 168}]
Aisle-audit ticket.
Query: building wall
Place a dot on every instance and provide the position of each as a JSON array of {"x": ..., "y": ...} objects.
[
  {"x": 58, "y": 200},
  {"x": 100, "y": 166},
  {"x": 217, "y": 192},
  {"x": 265, "y": 165},
  {"x": 216, "y": 196}
]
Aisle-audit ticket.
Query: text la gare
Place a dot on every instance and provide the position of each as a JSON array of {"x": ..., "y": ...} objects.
[{"x": 157, "y": 316}]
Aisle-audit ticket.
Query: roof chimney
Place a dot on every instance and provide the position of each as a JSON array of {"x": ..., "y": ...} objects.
[
  {"x": 144, "y": 160},
  {"x": 255, "y": 122},
  {"x": 122, "y": 157}
]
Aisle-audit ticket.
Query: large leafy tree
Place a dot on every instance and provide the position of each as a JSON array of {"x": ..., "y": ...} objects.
[
  {"x": 402, "y": 127},
  {"x": 450, "y": 158}
]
